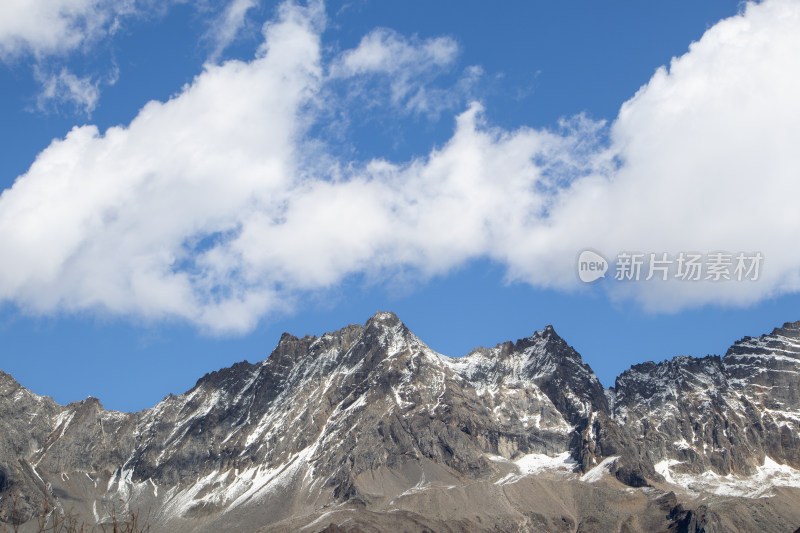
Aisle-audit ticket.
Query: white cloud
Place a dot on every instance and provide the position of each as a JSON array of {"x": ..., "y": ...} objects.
[
  {"x": 46, "y": 27},
  {"x": 710, "y": 163},
  {"x": 66, "y": 87},
  {"x": 217, "y": 207},
  {"x": 56, "y": 31},
  {"x": 407, "y": 64},
  {"x": 385, "y": 51},
  {"x": 225, "y": 30},
  {"x": 111, "y": 221},
  {"x": 53, "y": 31}
]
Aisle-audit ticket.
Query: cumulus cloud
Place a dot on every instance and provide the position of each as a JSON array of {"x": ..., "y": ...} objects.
[
  {"x": 709, "y": 163},
  {"x": 218, "y": 207},
  {"x": 119, "y": 220}
]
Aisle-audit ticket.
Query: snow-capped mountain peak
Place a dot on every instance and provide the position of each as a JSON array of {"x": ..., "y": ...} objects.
[{"x": 369, "y": 417}]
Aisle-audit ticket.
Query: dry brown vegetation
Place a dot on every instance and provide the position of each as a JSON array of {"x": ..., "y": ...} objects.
[{"x": 58, "y": 521}]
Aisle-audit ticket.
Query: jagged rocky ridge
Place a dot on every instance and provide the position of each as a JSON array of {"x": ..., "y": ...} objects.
[{"x": 369, "y": 420}]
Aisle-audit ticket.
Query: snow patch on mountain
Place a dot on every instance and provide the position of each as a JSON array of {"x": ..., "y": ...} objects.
[
  {"x": 768, "y": 476},
  {"x": 600, "y": 471},
  {"x": 535, "y": 464}
]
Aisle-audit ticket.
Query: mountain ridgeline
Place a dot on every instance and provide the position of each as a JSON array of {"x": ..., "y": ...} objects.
[{"x": 368, "y": 429}]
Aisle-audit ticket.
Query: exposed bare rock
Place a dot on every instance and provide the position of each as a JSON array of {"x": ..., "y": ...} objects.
[{"x": 368, "y": 429}]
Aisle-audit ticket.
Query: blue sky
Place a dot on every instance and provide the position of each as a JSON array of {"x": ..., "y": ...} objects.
[{"x": 192, "y": 179}]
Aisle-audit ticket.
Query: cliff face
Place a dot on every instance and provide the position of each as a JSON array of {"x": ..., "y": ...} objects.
[
  {"x": 720, "y": 415},
  {"x": 367, "y": 427}
]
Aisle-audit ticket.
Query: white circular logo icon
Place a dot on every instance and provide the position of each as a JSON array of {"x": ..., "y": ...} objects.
[{"x": 591, "y": 266}]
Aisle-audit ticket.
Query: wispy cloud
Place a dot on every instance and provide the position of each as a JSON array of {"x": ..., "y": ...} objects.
[
  {"x": 218, "y": 207},
  {"x": 67, "y": 88},
  {"x": 54, "y": 32},
  {"x": 56, "y": 27},
  {"x": 385, "y": 51},
  {"x": 226, "y": 28},
  {"x": 403, "y": 67},
  {"x": 50, "y": 32}
]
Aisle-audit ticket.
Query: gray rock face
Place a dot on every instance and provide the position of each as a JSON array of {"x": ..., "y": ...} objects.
[
  {"x": 369, "y": 420},
  {"x": 723, "y": 415}
]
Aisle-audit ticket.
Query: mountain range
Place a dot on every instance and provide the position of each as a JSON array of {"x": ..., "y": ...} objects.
[{"x": 368, "y": 429}]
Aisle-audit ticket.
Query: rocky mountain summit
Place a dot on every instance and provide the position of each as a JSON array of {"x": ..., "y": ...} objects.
[{"x": 368, "y": 429}]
